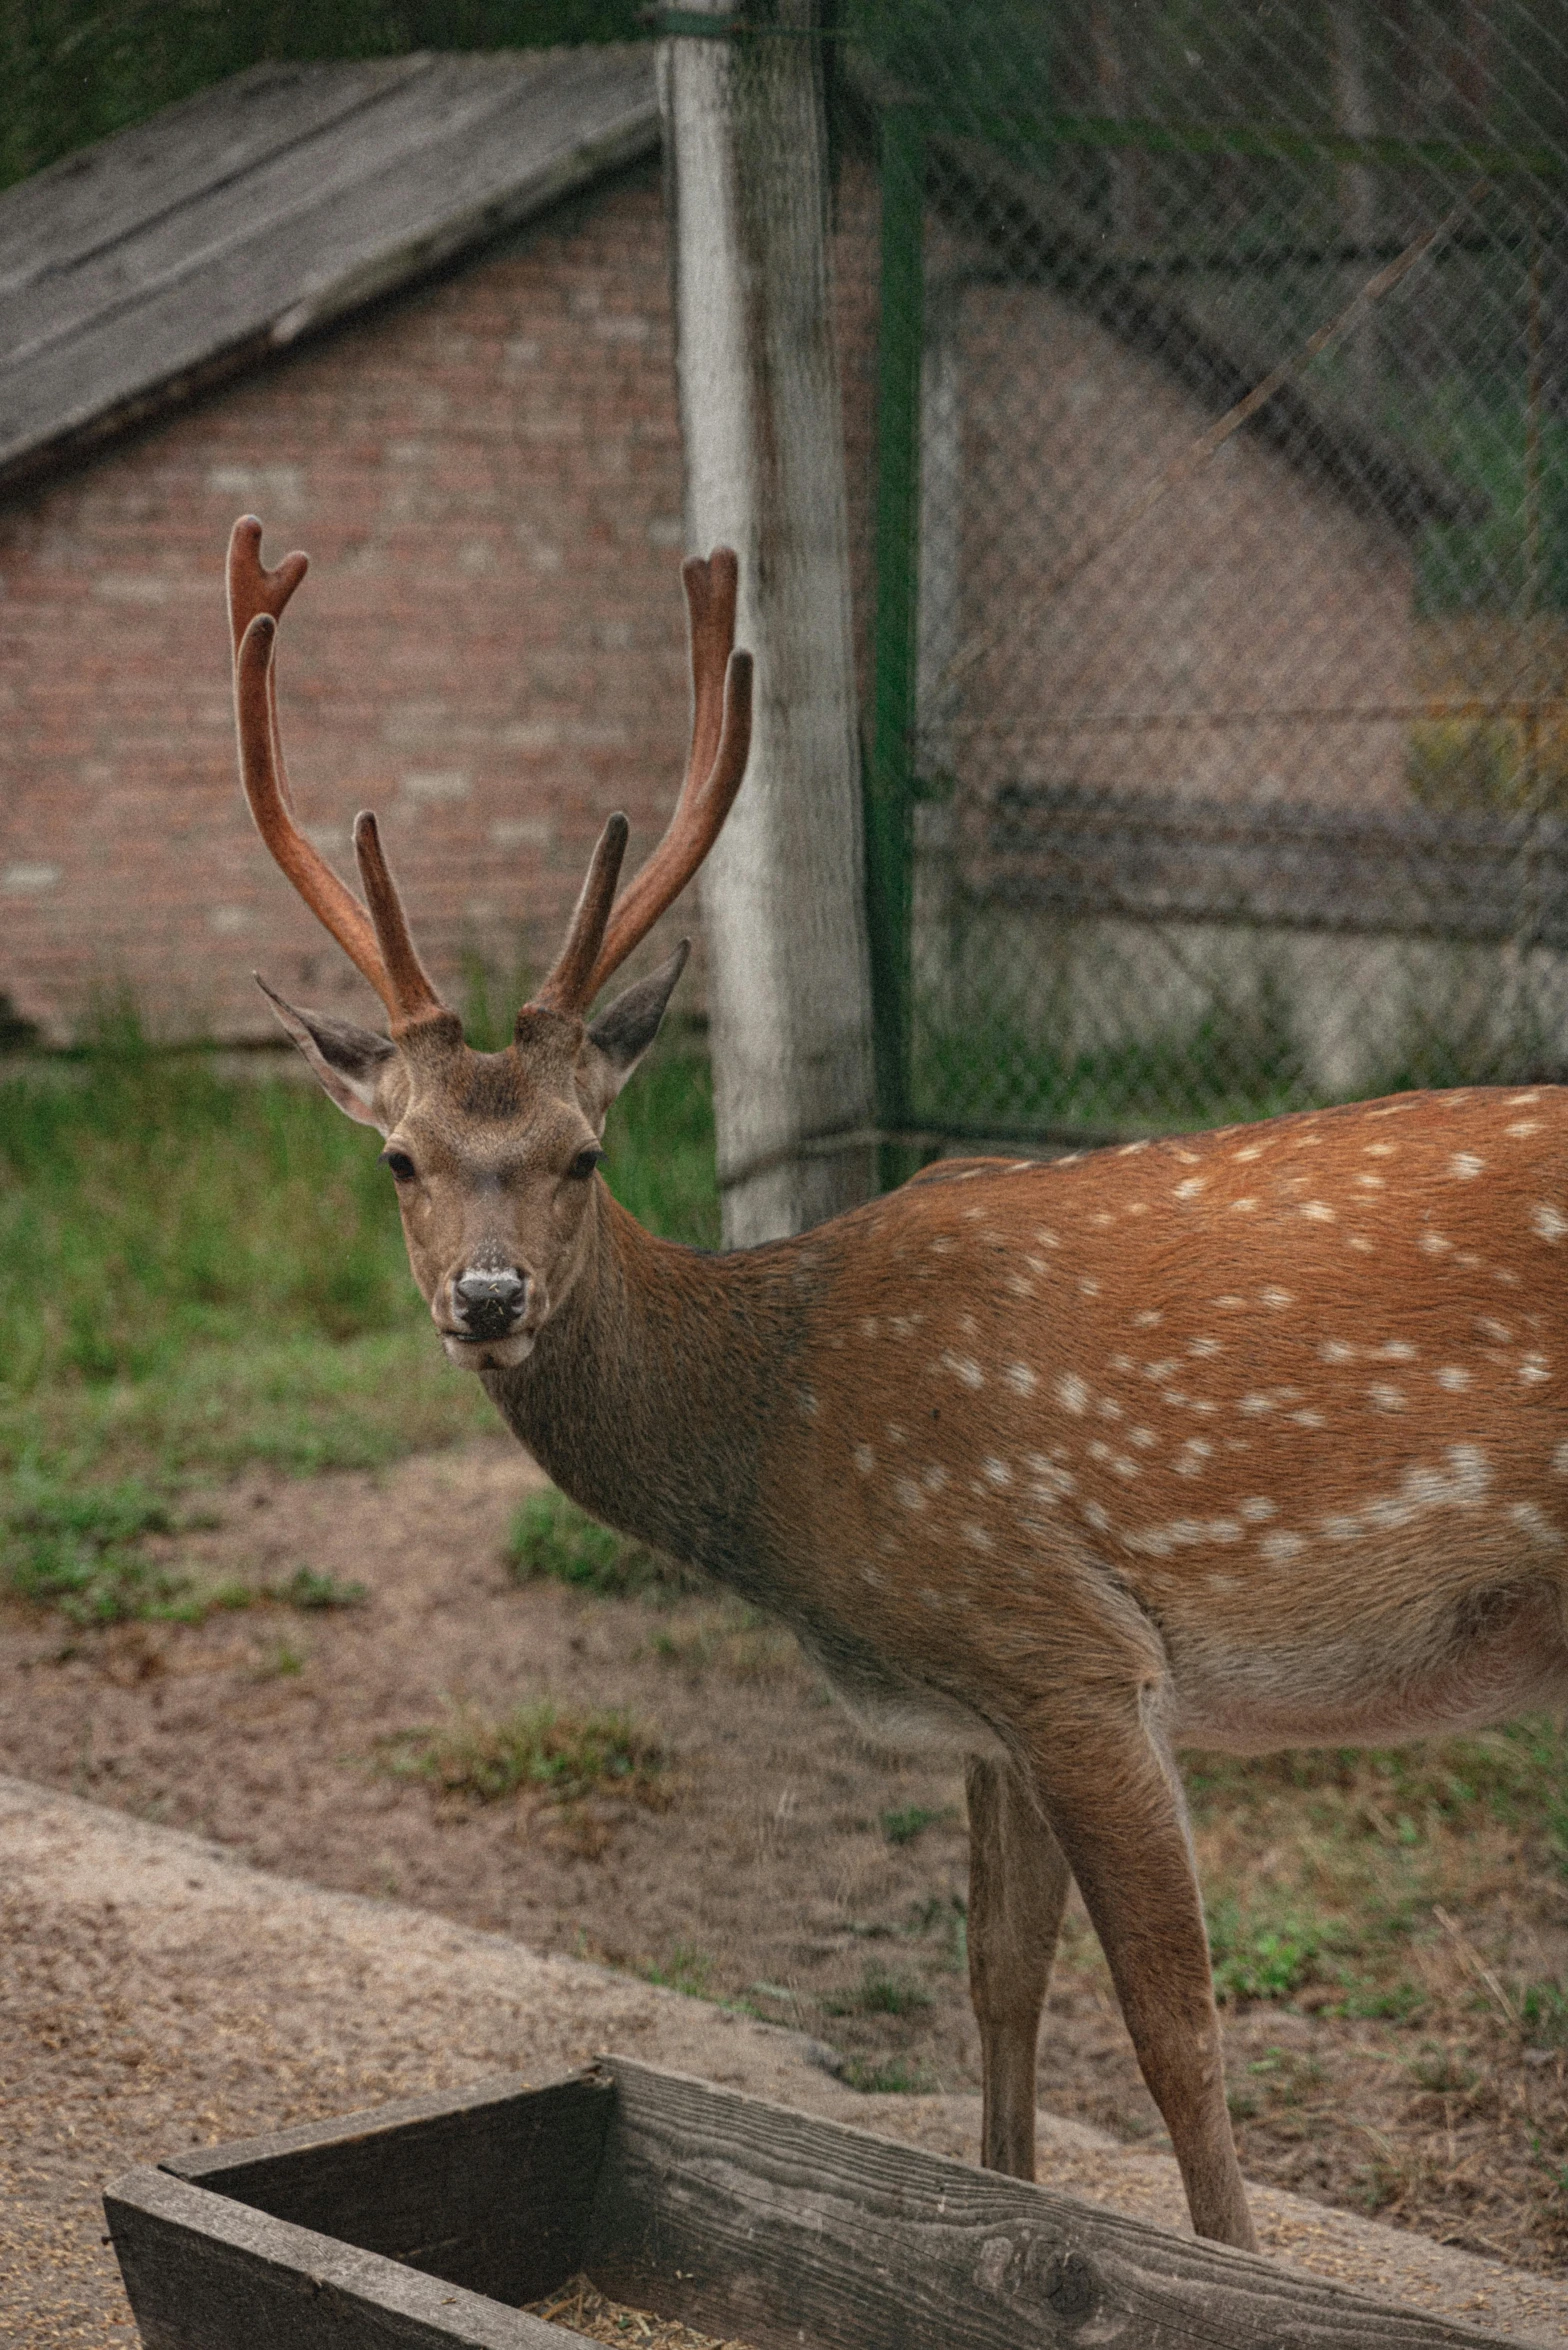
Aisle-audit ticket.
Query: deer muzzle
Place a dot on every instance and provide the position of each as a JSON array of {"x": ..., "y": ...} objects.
[{"x": 488, "y": 1304}]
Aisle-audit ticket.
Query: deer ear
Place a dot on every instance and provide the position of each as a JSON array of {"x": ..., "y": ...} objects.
[
  {"x": 623, "y": 1033},
  {"x": 350, "y": 1062}
]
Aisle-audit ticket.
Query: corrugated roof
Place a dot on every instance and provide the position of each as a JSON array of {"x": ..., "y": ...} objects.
[{"x": 139, "y": 270}]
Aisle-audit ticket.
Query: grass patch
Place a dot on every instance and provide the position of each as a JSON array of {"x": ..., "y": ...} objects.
[
  {"x": 550, "y": 1536},
  {"x": 904, "y": 1825},
  {"x": 891, "y": 2076},
  {"x": 880, "y": 1991},
  {"x": 548, "y": 1749},
  {"x": 686, "y": 1969},
  {"x": 1259, "y": 1957},
  {"x": 306, "y": 1589}
]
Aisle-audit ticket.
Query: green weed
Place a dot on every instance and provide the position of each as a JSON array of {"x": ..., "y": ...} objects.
[
  {"x": 551, "y": 1536},
  {"x": 892, "y": 2077},
  {"x": 1261, "y": 1958},
  {"x": 1543, "y": 2014},
  {"x": 306, "y": 1589},
  {"x": 550, "y": 1749},
  {"x": 903, "y": 1826},
  {"x": 880, "y": 1992},
  {"x": 686, "y": 1969}
]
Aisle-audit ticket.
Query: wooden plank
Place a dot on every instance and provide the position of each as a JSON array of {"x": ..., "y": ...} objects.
[
  {"x": 745, "y": 2218},
  {"x": 301, "y": 179},
  {"x": 491, "y": 2189},
  {"x": 102, "y": 194},
  {"x": 206, "y": 2273},
  {"x": 388, "y": 213},
  {"x": 1164, "y": 857}
]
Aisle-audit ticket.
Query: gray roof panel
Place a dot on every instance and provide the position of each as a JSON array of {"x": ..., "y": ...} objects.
[{"x": 287, "y": 198}]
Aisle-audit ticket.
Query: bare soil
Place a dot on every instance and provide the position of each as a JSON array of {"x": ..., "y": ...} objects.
[{"x": 790, "y": 1866}]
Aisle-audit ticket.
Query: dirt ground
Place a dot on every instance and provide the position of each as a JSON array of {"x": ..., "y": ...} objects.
[{"x": 788, "y": 1865}]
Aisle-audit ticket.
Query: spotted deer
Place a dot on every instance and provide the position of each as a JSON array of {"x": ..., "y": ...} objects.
[{"x": 1241, "y": 1439}]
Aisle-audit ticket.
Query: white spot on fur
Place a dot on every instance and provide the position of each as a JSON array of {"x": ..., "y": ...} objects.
[
  {"x": 964, "y": 1369},
  {"x": 1099, "y": 1518},
  {"x": 1380, "y": 1150},
  {"x": 1204, "y": 1347},
  {"x": 1359, "y": 1241},
  {"x": 1464, "y": 1166},
  {"x": 865, "y": 1459},
  {"x": 908, "y": 1492},
  {"x": 1088, "y": 1287},
  {"x": 1318, "y": 1211},
  {"x": 1337, "y": 1350},
  {"x": 1548, "y": 1222},
  {"x": 1533, "y": 1370},
  {"x": 1372, "y": 1182},
  {"x": 1149, "y": 1319},
  {"x": 1191, "y": 1187},
  {"x": 995, "y": 1472},
  {"x": 895, "y": 1434},
  {"x": 977, "y": 1537},
  {"x": 1189, "y": 1461},
  {"x": 1385, "y": 1398},
  {"x": 1242, "y": 1207},
  {"x": 1256, "y": 1509},
  {"x": 1254, "y": 1150},
  {"x": 1536, "y": 1524},
  {"x": 1498, "y": 1332},
  {"x": 806, "y": 1403},
  {"x": 1560, "y": 1461},
  {"x": 934, "y": 1477},
  {"x": 1046, "y": 1239},
  {"x": 1454, "y": 1377},
  {"x": 1276, "y": 1298},
  {"x": 1282, "y": 1546},
  {"x": 1072, "y": 1394},
  {"x": 1433, "y": 1244},
  {"x": 1142, "y": 1437},
  {"x": 1255, "y": 1404},
  {"x": 1395, "y": 1350},
  {"x": 1524, "y": 1126},
  {"x": 1020, "y": 1378}
]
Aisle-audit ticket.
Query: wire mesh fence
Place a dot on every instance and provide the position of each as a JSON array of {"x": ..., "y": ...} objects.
[{"x": 1216, "y": 775}]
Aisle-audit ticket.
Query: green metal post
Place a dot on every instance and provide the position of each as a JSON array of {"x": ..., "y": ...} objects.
[{"x": 890, "y": 783}]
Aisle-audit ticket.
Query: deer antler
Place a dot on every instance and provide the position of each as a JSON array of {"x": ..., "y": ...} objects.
[
  {"x": 597, "y": 942},
  {"x": 377, "y": 943}
]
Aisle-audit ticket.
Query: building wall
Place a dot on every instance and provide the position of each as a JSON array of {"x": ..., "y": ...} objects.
[
  {"x": 1250, "y": 638},
  {"x": 490, "y": 648}
]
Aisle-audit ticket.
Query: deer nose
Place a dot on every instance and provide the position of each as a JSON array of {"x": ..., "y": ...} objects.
[{"x": 489, "y": 1304}]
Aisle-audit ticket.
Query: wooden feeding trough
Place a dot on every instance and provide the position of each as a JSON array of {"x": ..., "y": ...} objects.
[{"x": 432, "y": 2223}]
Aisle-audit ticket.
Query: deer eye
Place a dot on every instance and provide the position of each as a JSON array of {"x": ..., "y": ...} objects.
[
  {"x": 584, "y": 1163},
  {"x": 400, "y": 1164}
]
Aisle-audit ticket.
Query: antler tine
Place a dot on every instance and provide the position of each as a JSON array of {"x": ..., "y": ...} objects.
[
  {"x": 720, "y": 745},
  {"x": 414, "y": 996},
  {"x": 570, "y": 986},
  {"x": 333, "y": 905},
  {"x": 252, "y": 589}
]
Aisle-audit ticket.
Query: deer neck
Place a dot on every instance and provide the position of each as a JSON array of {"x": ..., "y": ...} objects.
[{"x": 646, "y": 1395}]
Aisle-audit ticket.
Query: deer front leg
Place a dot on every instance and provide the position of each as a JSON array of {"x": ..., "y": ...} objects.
[
  {"x": 1113, "y": 1797},
  {"x": 1018, "y": 1884}
]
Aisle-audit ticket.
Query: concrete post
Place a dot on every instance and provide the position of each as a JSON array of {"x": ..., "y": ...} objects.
[{"x": 782, "y": 893}]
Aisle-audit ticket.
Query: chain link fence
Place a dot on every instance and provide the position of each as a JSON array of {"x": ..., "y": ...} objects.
[{"x": 1215, "y": 773}]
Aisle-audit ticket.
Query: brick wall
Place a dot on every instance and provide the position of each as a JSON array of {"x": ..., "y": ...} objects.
[{"x": 490, "y": 648}]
